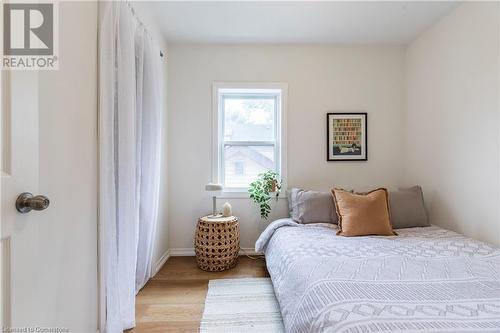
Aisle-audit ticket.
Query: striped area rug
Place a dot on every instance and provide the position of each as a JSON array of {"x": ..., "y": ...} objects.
[{"x": 240, "y": 306}]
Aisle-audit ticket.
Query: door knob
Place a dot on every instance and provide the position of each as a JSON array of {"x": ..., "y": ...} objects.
[{"x": 26, "y": 202}]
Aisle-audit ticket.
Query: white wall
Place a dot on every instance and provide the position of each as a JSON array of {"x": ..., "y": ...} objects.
[
  {"x": 452, "y": 122},
  {"x": 161, "y": 242},
  {"x": 320, "y": 79},
  {"x": 68, "y": 174}
]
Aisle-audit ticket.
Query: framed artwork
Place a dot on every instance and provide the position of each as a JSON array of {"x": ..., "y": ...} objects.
[{"x": 347, "y": 136}]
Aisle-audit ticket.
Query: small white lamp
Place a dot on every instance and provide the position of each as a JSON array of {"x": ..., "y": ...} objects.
[{"x": 214, "y": 188}]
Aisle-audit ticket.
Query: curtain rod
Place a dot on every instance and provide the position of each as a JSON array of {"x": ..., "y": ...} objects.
[{"x": 142, "y": 23}]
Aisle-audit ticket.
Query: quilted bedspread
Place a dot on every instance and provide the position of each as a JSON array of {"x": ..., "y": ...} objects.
[{"x": 423, "y": 280}]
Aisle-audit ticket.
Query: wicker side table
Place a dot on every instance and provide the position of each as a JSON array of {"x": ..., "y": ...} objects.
[{"x": 217, "y": 243}]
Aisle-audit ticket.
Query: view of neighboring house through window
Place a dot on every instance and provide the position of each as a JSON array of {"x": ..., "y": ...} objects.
[
  {"x": 248, "y": 134},
  {"x": 239, "y": 168}
]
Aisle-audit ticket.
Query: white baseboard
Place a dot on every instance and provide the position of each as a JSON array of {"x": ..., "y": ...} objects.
[
  {"x": 182, "y": 252},
  {"x": 189, "y": 252},
  {"x": 249, "y": 251},
  {"x": 159, "y": 264}
]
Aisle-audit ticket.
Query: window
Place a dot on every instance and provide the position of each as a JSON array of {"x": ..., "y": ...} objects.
[
  {"x": 239, "y": 168},
  {"x": 248, "y": 132}
]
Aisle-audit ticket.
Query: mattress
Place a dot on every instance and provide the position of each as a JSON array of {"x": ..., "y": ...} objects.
[{"x": 423, "y": 280}]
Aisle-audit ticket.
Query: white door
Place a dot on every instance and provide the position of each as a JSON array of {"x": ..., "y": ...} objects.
[
  {"x": 49, "y": 147},
  {"x": 19, "y": 237}
]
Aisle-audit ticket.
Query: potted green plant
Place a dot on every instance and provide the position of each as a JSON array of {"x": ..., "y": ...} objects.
[{"x": 261, "y": 189}]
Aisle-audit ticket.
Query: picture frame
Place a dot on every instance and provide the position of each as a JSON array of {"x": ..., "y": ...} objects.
[{"x": 347, "y": 136}]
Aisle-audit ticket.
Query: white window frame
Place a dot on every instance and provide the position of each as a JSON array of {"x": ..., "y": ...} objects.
[{"x": 277, "y": 88}]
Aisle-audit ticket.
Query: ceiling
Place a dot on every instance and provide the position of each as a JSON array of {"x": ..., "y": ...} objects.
[{"x": 369, "y": 22}]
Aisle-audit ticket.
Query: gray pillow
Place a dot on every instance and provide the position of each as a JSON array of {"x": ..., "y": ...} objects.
[
  {"x": 407, "y": 208},
  {"x": 290, "y": 203},
  {"x": 311, "y": 206}
]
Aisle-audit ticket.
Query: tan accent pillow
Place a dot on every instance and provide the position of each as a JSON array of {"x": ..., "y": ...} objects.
[{"x": 362, "y": 214}]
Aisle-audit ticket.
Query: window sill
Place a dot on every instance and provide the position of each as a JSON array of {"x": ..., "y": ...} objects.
[{"x": 243, "y": 195}]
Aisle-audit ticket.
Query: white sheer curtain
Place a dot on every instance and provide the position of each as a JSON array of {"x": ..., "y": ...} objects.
[
  {"x": 150, "y": 106},
  {"x": 129, "y": 143}
]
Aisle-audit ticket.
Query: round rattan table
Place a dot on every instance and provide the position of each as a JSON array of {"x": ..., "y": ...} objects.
[{"x": 217, "y": 243}]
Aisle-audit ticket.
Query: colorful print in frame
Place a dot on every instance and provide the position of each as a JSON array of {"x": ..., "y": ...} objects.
[{"x": 347, "y": 136}]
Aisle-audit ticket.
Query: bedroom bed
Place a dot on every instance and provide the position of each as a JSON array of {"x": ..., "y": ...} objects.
[{"x": 426, "y": 279}]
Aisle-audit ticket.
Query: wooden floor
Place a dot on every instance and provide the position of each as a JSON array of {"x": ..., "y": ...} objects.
[{"x": 173, "y": 300}]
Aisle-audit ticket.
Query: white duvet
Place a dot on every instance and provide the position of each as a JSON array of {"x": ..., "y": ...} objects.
[{"x": 423, "y": 280}]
